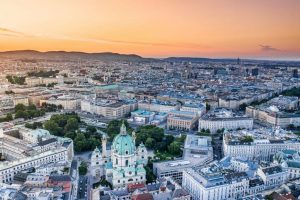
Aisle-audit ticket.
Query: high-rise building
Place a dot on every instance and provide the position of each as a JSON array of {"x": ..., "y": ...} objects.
[
  {"x": 254, "y": 72},
  {"x": 295, "y": 73}
]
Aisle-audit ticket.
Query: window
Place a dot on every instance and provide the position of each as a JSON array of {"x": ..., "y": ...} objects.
[{"x": 126, "y": 162}]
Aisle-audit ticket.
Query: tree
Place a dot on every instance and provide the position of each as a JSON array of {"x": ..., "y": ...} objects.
[
  {"x": 93, "y": 143},
  {"x": 207, "y": 107},
  {"x": 169, "y": 139},
  {"x": 150, "y": 177},
  {"x": 160, "y": 146},
  {"x": 72, "y": 125},
  {"x": 20, "y": 107},
  {"x": 21, "y": 114},
  {"x": 291, "y": 127},
  {"x": 91, "y": 129},
  {"x": 150, "y": 143},
  {"x": 71, "y": 135},
  {"x": 243, "y": 107},
  {"x": 80, "y": 142},
  {"x": 9, "y": 117},
  {"x": 83, "y": 168},
  {"x": 174, "y": 148},
  {"x": 247, "y": 139},
  {"x": 52, "y": 127},
  {"x": 31, "y": 107}
]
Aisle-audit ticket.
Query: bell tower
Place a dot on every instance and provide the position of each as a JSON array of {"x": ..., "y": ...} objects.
[{"x": 104, "y": 141}]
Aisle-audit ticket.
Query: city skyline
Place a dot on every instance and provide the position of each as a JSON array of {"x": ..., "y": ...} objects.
[{"x": 214, "y": 29}]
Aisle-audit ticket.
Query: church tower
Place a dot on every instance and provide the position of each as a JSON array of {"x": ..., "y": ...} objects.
[
  {"x": 104, "y": 141},
  {"x": 125, "y": 166}
]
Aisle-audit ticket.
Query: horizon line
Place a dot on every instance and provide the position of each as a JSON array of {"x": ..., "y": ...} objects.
[{"x": 161, "y": 58}]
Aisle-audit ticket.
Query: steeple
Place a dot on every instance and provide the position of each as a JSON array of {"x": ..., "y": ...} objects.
[
  {"x": 123, "y": 130},
  {"x": 104, "y": 141},
  {"x": 133, "y": 136}
]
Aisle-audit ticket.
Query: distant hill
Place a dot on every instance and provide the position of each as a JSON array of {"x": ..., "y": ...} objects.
[
  {"x": 198, "y": 60},
  {"x": 33, "y": 56},
  {"x": 64, "y": 55}
]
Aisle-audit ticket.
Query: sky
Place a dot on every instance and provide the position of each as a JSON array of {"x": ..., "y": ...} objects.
[{"x": 268, "y": 29}]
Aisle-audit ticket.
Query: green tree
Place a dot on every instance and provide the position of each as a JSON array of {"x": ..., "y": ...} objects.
[
  {"x": 150, "y": 143},
  {"x": 21, "y": 114},
  {"x": 160, "y": 146},
  {"x": 9, "y": 117},
  {"x": 71, "y": 135},
  {"x": 80, "y": 142},
  {"x": 20, "y": 107},
  {"x": 207, "y": 107},
  {"x": 52, "y": 127},
  {"x": 243, "y": 107},
  {"x": 174, "y": 148},
  {"x": 72, "y": 125},
  {"x": 91, "y": 129},
  {"x": 169, "y": 139},
  {"x": 82, "y": 169},
  {"x": 93, "y": 143}
]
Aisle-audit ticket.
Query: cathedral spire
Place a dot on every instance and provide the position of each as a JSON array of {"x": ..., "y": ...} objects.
[{"x": 123, "y": 130}]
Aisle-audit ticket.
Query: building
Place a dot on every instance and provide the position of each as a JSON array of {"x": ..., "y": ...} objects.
[
  {"x": 295, "y": 73},
  {"x": 157, "y": 106},
  {"x": 215, "y": 184},
  {"x": 36, "y": 81},
  {"x": 142, "y": 116},
  {"x": 222, "y": 118},
  {"x": 22, "y": 150},
  {"x": 232, "y": 178},
  {"x": 197, "y": 151},
  {"x": 21, "y": 100},
  {"x": 110, "y": 109},
  {"x": 126, "y": 165},
  {"x": 67, "y": 102},
  {"x": 290, "y": 161},
  {"x": 182, "y": 120},
  {"x": 162, "y": 189},
  {"x": 272, "y": 176},
  {"x": 258, "y": 144},
  {"x": 6, "y": 102},
  {"x": 254, "y": 72},
  {"x": 278, "y": 111},
  {"x": 198, "y": 108}
]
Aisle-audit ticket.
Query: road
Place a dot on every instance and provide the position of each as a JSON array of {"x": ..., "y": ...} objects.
[{"x": 82, "y": 187}]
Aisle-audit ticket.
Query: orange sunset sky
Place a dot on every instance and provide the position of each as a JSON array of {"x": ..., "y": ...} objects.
[{"x": 155, "y": 28}]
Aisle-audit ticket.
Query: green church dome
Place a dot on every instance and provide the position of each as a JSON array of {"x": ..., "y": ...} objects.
[{"x": 123, "y": 143}]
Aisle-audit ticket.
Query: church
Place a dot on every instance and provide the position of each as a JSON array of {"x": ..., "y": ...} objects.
[{"x": 125, "y": 162}]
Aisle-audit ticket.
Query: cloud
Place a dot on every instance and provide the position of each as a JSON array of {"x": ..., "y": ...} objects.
[
  {"x": 122, "y": 42},
  {"x": 12, "y": 33},
  {"x": 267, "y": 48}
]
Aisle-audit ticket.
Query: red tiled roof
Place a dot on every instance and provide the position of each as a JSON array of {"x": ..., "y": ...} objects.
[{"x": 145, "y": 196}]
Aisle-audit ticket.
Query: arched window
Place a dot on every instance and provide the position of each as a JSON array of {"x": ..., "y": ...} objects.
[
  {"x": 126, "y": 162},
  {"x": 116, "y": 161}
]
